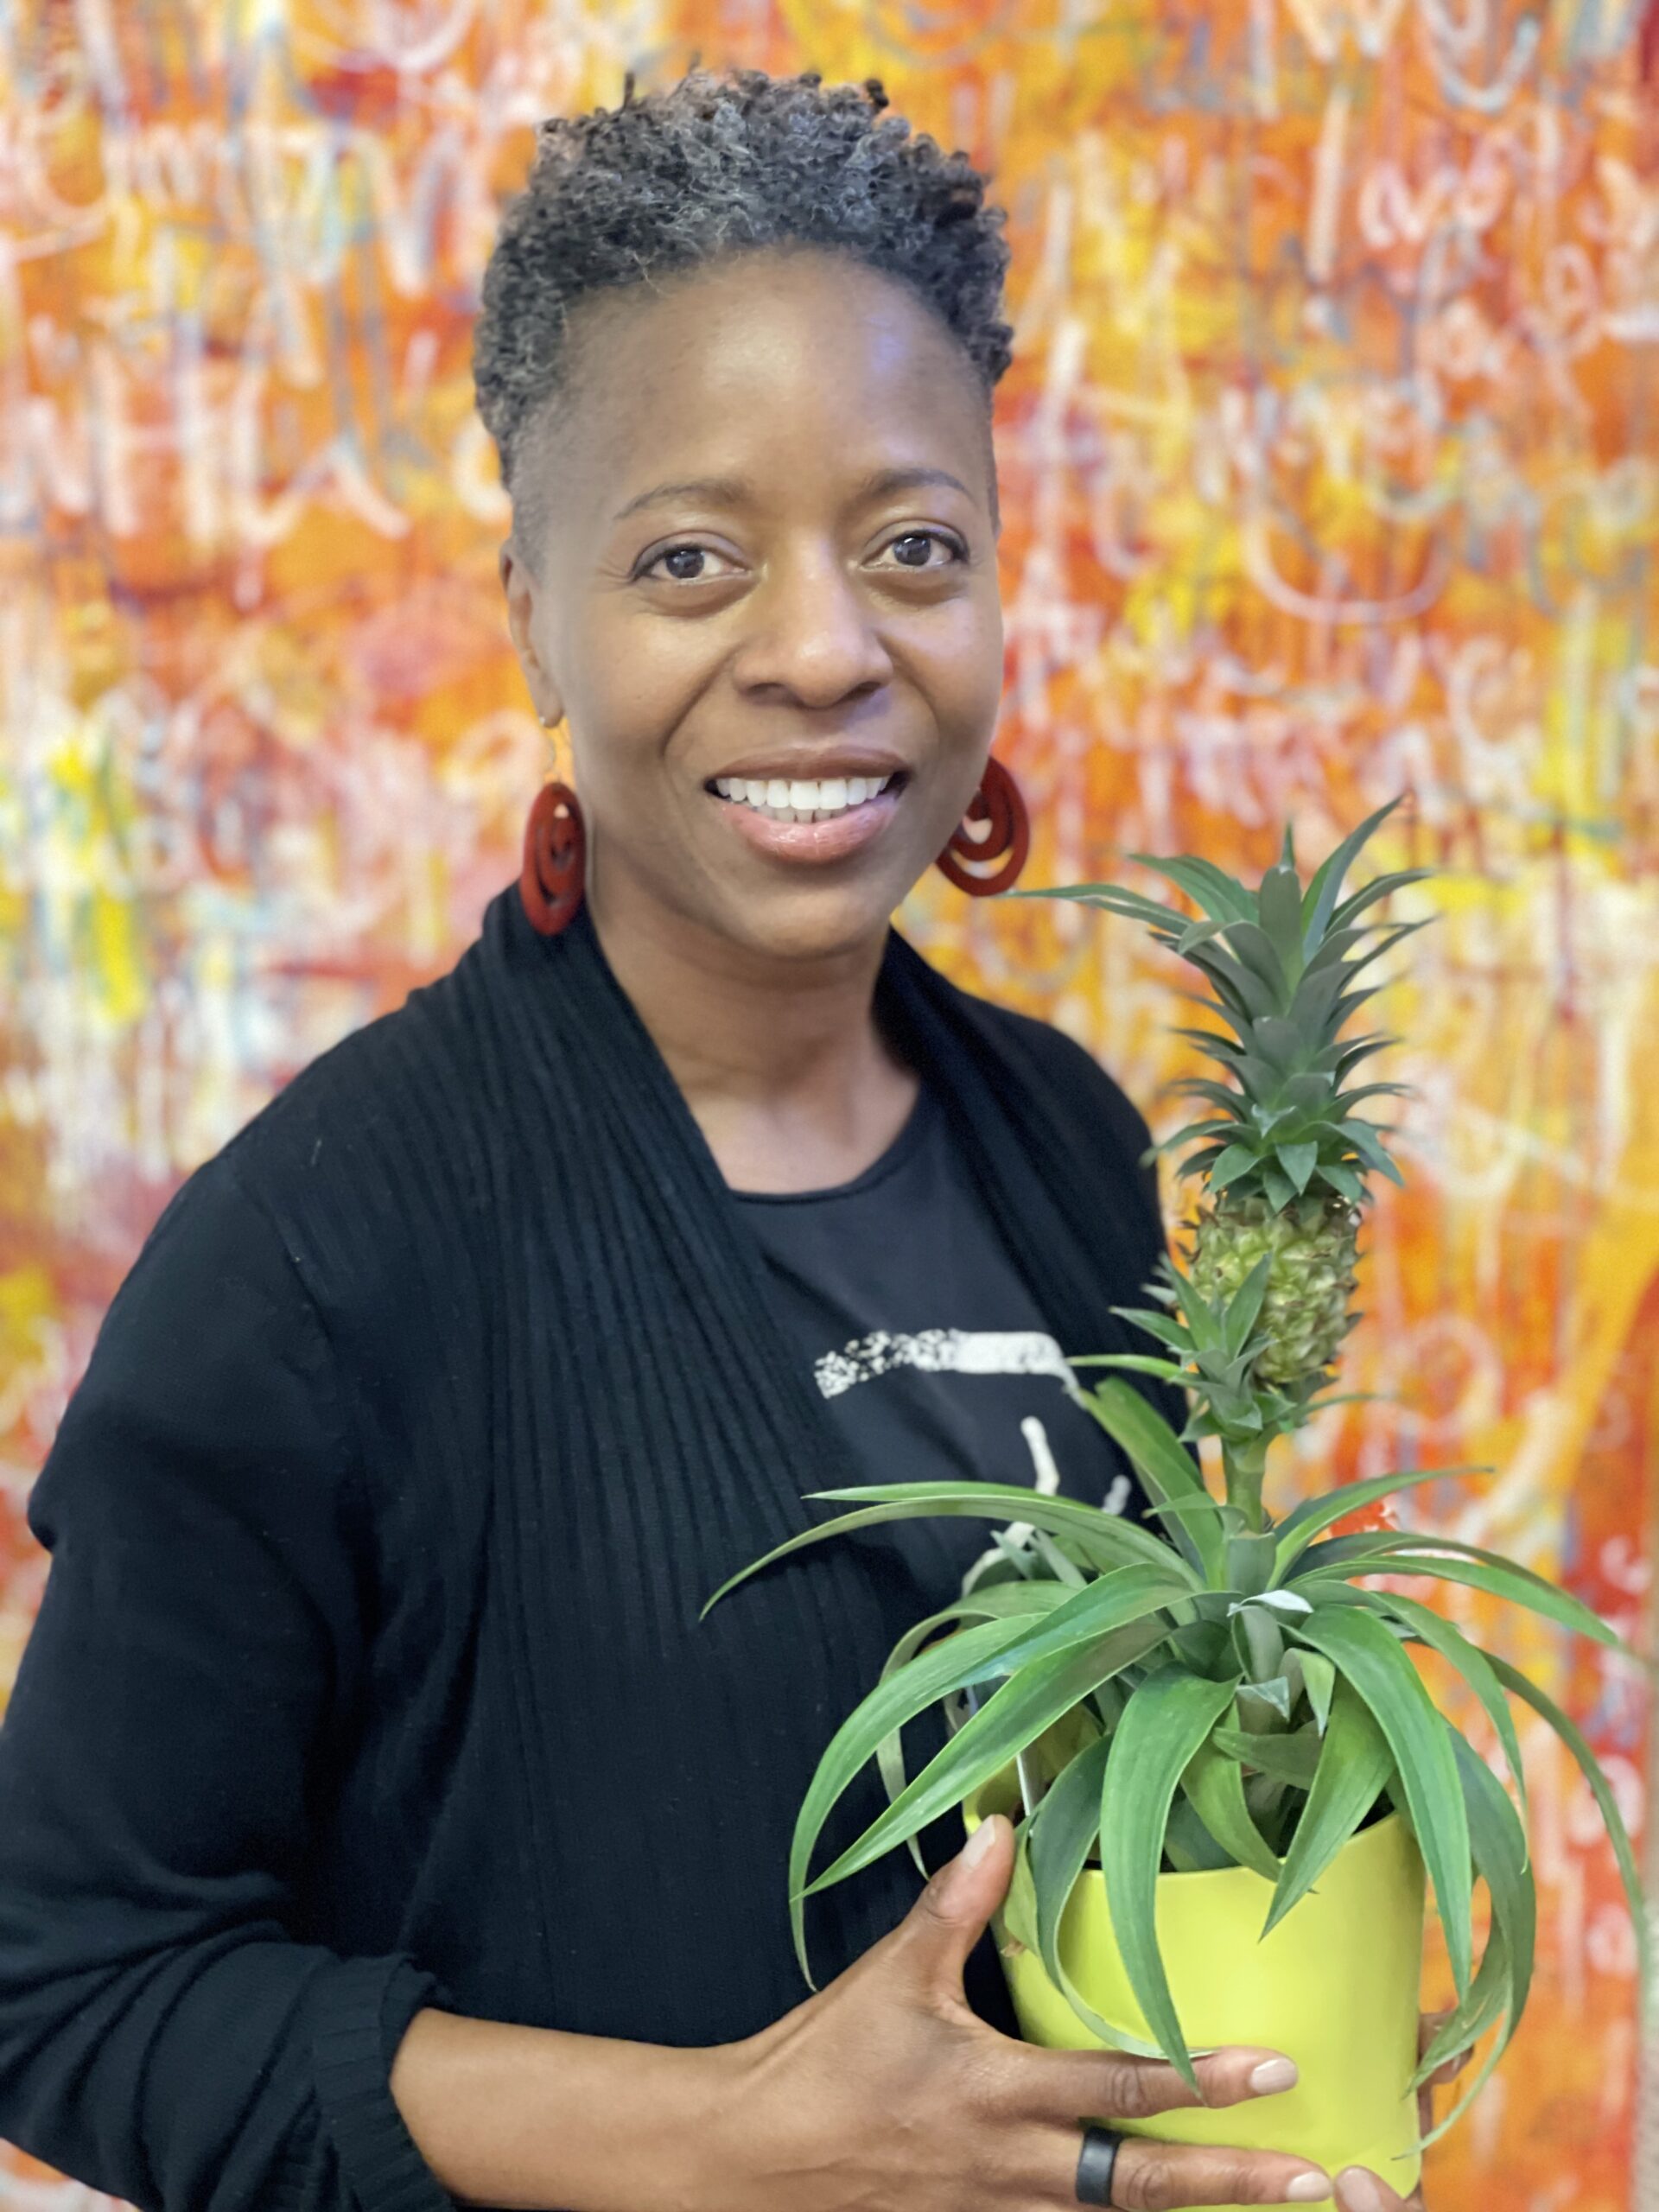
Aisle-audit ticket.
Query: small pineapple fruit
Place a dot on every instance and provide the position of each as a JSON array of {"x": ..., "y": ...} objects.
[
  {"x": 1310, "y": 1247},
  {"x": 1282, "y": 1155}
]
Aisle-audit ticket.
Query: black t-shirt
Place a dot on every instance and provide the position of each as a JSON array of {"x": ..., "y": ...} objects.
[
  {"x": 932, "y": 1355},
  {"x": 930, "y": 1350}
]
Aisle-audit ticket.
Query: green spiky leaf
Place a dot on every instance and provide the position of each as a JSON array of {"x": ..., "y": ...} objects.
[
  {"x": 1618, "y": 1834},
  {"x": 1299, "y": 1161},
  {"x": 1222, "y": 897},
  {"x": 1445, "y": 1559},
  {"x": 1014, "y": 1718},
  {"x": 1129, "y": 1593},
  {"x": 1171, "y": 1713},
  {"x": 1354, "y": 1764},
  {"x": 1499, "y": 1845},
  {"x": 995, "y": 1601},
  {"x": 1440, "y": 1635},
  {"x": 1368, "y": 1656},
  {"x": 1104, "y": 1538},
  {"x": 1214, "y": 1786},
  {"x": 1319, "y": 902},
  {"x": 1293, "y": 1758},
  {"x": 1319, "y": 1678},
  {"x": 897, "y": 1698},
  {"x": 1299, "y": 1528},
  {"x": 1158, "y": 1456},
  {"x": 1063, "y": 1830}
]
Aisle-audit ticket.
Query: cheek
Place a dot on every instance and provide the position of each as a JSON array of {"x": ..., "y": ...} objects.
[
  {"x": 628, "y": 701},
  {"x": 965, "y": 682},
  {"x": 965, "y": 676},
  {"x": 964, "y": 664}
]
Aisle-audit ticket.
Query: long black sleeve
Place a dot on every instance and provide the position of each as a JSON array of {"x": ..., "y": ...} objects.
[
  {"x": 162, "y": 2034},
  {"x": 373, "y": 1668}
]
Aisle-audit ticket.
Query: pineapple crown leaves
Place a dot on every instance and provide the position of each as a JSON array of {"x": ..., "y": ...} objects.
[
  {"x": 1212, "y": 1348},
  {"x": 1284, "y": 965},
  {"x": 1216, "y": 1345}
]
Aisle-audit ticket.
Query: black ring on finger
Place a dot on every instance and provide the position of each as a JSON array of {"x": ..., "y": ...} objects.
[{"x": 1095, "y": 2163}]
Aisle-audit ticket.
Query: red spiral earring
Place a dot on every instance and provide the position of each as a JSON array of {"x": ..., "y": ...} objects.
[
  {"x": 1007, "y": 839},
  {"x": 556, "y": 854}
]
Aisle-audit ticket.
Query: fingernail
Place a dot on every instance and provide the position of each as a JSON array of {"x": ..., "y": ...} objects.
[
  {"x": 1308, "y": 2189},
  {"x": 1359, "y": 2191},
  {"x": 978, "y": 1844},
  {"x": 1273, "y": 2075}
]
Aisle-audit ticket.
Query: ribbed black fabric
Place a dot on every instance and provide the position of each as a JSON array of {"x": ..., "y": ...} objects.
[{"x": 369, "y": 1673}]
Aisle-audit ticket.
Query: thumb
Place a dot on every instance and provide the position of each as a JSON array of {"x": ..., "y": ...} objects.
[{"x": 953, "y": 1911}]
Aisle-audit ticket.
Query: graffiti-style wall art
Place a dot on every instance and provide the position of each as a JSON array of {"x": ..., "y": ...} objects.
[{"x": 1329, "y": 463}]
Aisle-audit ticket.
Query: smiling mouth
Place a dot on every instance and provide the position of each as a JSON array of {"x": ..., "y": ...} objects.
[{"x": 823, "y": 798}]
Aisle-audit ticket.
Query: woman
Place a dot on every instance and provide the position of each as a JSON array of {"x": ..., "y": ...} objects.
[{"x": 383, "y": 1828}]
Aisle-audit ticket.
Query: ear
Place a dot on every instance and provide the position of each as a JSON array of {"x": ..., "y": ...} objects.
[{"x": 519, "y": 586}]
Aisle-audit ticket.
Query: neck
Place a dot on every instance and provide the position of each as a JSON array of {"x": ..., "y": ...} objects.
[{"x": 765, "y": 1049}]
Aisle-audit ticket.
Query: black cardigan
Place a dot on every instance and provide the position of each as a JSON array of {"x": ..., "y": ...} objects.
[{"x": 368, "y": 1672}]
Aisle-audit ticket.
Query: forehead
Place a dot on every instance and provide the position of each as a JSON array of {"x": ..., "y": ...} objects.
[{"x": 793, "y": 368}]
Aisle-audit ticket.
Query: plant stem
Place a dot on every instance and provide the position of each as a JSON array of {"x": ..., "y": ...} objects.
[{"x": 1245, "y": 1465}]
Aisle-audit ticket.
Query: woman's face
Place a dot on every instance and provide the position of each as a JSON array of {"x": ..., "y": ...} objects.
[{"x": 768, "y": 559}]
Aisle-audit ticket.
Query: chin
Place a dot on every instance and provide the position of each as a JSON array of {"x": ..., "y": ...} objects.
[{"x": 807, "y": 925}]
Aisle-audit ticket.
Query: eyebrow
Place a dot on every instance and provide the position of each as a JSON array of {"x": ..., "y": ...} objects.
[{"x": 736, "y": 490}]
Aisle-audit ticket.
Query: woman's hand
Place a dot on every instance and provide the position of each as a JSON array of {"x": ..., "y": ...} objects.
[
  {"x": 1358, "y": 2189},
  {"x": 886, "y": 2092}
]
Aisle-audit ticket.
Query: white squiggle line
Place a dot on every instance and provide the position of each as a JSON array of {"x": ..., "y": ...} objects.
[
  {"x": 1490, "y": 99},
  {"x": 1259, "y": 566},
  {"x": 956, "y": 1351}
]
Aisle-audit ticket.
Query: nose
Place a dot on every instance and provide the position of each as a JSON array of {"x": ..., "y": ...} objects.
[{"x": 811, "y": 637}]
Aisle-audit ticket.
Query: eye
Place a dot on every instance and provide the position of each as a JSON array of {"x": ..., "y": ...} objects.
[
  {"x": 910, "y": 548},
  {"x": 683, "y": 560}
]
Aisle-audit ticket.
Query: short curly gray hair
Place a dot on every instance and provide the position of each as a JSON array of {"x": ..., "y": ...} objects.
[{"x": 704, "y": 169}]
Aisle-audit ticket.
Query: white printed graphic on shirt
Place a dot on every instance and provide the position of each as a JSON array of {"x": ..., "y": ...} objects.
[
  {"x": 1047, "y": 1482},
  {"x": 957, "y": 1351},
  {"x": 967, "y": 1352}
]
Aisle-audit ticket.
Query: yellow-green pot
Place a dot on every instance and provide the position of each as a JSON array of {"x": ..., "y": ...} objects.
[{"x": 1335, "y": 1988}]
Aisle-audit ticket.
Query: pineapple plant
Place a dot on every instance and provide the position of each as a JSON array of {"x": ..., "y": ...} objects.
[
  {"x": 1234, "y": 1698},
  {"x": 1282, "y": 1155}
]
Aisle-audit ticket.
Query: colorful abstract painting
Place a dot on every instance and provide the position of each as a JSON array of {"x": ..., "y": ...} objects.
[{"x": 1330, "y": 468}]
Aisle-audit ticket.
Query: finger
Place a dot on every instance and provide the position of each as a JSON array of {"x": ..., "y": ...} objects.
[
  {"x": 1428, "y": 2027},
  {"x": 1072, "y": 2085},
  {"x": 931, "y": 1944},
  {"x": 1160, "y": 2177},
  {"x": 1358, "y": 2189}
]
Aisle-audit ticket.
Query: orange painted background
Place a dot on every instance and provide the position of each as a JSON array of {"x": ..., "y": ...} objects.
[{"x": 1330, "y": 464}]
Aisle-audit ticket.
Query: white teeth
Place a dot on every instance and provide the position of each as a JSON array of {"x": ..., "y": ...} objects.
[{"x": 803, "y": 799}]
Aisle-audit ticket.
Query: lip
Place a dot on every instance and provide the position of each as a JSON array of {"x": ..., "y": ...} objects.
[{"x": 815, "y": 842}]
